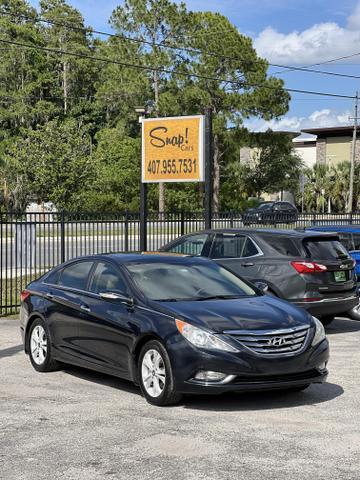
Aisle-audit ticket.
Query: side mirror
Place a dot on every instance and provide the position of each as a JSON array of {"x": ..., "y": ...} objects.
[
  {"x": 117, "y": 297},
  {"x": 264, "y": 287}
]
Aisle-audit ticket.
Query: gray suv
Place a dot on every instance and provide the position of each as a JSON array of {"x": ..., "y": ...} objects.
[{"x": 312, "y": 270}]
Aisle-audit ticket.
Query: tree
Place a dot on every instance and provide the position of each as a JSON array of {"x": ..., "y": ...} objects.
[
  {"x": 72, "y": 78},
  {"x": 155, "y": 22},
  {"x": 115, "y": 186},
  {"x": 232, "y": 81},
  {"x": 51, "y": 164},
  {"x": 273, "y": 166}
]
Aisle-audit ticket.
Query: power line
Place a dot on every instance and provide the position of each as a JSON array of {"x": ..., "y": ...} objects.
[
  {"x": 238, "y": 83},
  {"x": 192, "y": 50}
]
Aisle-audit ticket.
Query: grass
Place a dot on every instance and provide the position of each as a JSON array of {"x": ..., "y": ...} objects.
[{"x": 10, "y": 290}]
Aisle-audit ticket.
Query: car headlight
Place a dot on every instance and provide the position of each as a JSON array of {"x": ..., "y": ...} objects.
[
  {"x": 202, "y": 339},
  {"x": 319, "y": 332}
]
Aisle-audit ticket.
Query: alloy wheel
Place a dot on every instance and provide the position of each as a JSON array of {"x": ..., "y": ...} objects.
[
  {"x": 153, "y": 373},
  {"x": 38, "y": 345}
]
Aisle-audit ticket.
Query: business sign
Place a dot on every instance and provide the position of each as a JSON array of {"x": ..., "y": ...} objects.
[{"x": 173, "y": 149}]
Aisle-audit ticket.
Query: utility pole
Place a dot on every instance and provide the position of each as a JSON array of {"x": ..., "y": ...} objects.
[{"x": 353, "y": 155}]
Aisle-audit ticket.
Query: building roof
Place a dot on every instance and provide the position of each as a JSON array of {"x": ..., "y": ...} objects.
[{"x": 332, "y": 131}]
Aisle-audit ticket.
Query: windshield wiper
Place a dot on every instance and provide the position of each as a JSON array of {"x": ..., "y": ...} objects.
[
  {"x": 216, "y": 297},
  {"x": 166, "y": 300}
]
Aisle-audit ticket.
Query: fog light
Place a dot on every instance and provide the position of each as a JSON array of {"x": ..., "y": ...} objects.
[
  {"x": 209, "y": 376},
  {"x": 322, "y": 366}
]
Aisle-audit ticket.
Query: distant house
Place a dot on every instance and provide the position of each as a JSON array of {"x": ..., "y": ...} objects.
[{"x": 334, "y": 144}]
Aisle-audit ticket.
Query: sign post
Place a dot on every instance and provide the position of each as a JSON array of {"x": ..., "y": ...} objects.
[{"x": 173, "y": 150}]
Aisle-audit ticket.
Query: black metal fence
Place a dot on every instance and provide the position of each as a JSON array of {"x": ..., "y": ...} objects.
[{"x": 32, "y": 243}]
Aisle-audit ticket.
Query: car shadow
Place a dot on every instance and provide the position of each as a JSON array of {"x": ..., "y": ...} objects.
[
  {"x": 9, "y": 352},
  {"x": 101, "y": 379},
  {"x": 343, "y": 325},
  {"x": 265, "y": 400}
]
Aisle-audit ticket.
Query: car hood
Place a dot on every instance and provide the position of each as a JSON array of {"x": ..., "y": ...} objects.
[{"x": 256, "y": 313}]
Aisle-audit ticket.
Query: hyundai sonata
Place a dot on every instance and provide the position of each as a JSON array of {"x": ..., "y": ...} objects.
[{"x": 172, "y": 324}]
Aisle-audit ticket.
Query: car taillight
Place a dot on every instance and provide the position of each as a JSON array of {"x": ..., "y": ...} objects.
[
  {"x": 24, "y": 295},
  {"x": 309, "y": 267}
]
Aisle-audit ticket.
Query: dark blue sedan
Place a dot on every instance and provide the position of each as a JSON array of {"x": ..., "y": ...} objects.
[{"x": 172, "y": 324}]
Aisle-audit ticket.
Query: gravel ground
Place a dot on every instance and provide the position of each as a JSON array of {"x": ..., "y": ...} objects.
[{"x": 75, "y": 424}]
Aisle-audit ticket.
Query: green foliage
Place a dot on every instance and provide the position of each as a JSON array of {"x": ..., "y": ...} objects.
[
  {"x": 273, "y": 166},
  {"x": 50, "y": 164},
  {"x": 327, "y": 188},
  {"x": 68, "y": 130}
]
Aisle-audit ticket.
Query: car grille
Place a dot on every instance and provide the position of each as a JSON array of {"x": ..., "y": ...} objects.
[{"x": 269, "y": 342}]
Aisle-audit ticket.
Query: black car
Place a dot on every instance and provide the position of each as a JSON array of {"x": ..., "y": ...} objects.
[
  {"x": 271, "y": 213},
  {"x": 173, "y": 324},
  {"x": 311, "y": 269}
]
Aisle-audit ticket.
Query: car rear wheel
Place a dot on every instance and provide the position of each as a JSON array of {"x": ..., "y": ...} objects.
[
  {"x": 327, "y": 319},
  {"x": 39, "y": 347},
  {"x": 354, "y": 313},
  {"x": 155, "y": 375}
]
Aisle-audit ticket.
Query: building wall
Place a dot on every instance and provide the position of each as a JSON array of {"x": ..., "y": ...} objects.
[
  {"x": 338, "y": 149},
  {"x": 307, "y": 153}
]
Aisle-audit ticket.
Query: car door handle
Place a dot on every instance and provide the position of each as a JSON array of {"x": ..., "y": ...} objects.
[
  {"x": 247, "y": 264},
  {"x": 85, "y": 308},
  {"x": 49, "y": 296}
]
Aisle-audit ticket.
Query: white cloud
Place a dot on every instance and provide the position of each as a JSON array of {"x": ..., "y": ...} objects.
[
  {"x": 317, "y": 119},
  {"x": 318, "y": 43}
]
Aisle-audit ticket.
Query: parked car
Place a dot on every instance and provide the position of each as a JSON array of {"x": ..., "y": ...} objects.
[
  {"x": 172, "y": 324},
  {"x": 311, "y": 270},
  {"x": 350, "y": 237},
  {"x": 271, "y": 213}
]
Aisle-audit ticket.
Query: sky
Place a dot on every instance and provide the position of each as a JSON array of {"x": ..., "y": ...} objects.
[{"x": 286, "y": 32}]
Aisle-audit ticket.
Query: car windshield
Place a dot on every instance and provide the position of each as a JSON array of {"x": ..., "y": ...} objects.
[
  {"x": 263, "y": 206},
  {"x": 187, "y": 281}
]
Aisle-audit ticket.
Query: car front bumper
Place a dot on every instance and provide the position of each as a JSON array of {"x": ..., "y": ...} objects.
[{"x": 249, "y": 371}]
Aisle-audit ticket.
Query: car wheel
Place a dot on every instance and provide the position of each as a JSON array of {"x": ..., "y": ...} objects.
[
  {"x": 354, "y": 313},
  {"x": 327, "y": 319},
  {"x": 39, "y": 347},
  {"x": 155, "y": 375}
]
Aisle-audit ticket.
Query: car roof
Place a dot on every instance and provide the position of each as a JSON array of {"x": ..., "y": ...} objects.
[
  {"x": 268, "y": 231},
  {"x": 138, "y": 257},
  {"x": 335, "y": 228}
]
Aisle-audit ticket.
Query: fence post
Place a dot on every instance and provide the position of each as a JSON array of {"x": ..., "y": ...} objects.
[
  {"x": 62, "y": 237},
  {"x": 182, "y": 223},
  {"x": 314, "y": 219},
  {"x": 232, "y": 219},
  {"x": 351, "y": 218},
  {"x": 126, "y": 230}
]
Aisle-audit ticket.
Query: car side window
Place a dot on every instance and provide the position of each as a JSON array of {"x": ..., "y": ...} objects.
[
  {"x": 282, "y": 245},
  {"x": 356, "y": 237},
  {"x": 192, "y": 245},
  {"x": 346, "y": 240},
  {"x": 250, "y": 249},
  {"x": 228, "y": 246},
  {"x": 107, "y": 278},
  {"x": 75, "y": 275}
]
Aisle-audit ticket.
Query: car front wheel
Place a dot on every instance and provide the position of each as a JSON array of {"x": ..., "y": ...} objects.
[
  {"x": 155, "y": 375},
  {"x": 39, "y": 347}
]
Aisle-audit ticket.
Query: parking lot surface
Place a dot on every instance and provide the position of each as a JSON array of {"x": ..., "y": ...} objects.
[{"x": 76, "y": 424}]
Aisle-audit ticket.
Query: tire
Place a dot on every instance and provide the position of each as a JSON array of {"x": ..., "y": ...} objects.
[
  {"x": 354, "y": 313},
  {"x": 326, "y": 320},
  {"x": 39, "y": 347},
  {"x": 155, "y": 375}
]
